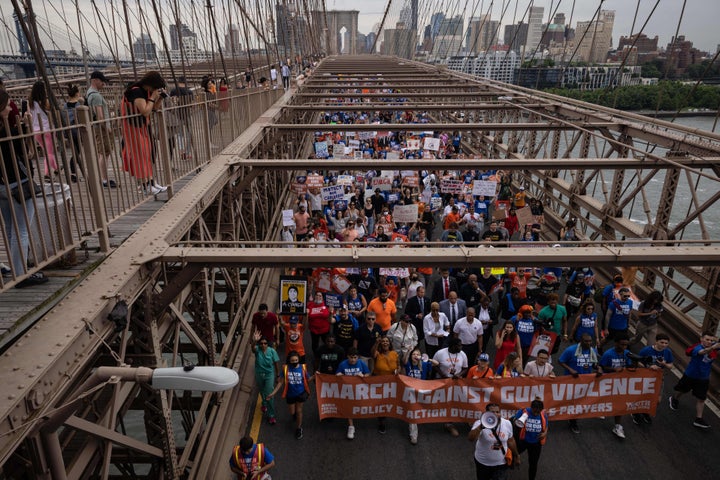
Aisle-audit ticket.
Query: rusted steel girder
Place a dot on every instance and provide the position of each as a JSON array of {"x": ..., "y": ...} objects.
[{"x": 611, "y": 256}]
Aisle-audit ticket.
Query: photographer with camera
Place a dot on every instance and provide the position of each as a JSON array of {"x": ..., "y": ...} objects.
[
  {"x": 140, "y": 100},
  {"x": 697, "y": 375}
]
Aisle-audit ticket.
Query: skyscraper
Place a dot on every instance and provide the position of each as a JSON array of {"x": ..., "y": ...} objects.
[
  {"x": 515, "y": 36},
  {"x": 144, "y": 49},
  {"x": 233, "y": 46},
  {"x": 535, "y": 30},
  {"x": 481, "y": 34},
  {"x": 595, "y": 38},
  {"x": 178, "y": 32}
]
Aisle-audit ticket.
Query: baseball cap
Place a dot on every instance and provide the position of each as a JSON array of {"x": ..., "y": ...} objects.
[
  {"x": 522, "y": 188},
  {"x": 484, "y": 357},
  {"x": 405, "y": 317},
  {"x": 100, "y": 76},
  {"x": 294, "y": 319}
]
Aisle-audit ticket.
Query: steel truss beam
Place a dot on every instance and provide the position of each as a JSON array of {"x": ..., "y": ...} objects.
[{"x": 610, "y": 256}]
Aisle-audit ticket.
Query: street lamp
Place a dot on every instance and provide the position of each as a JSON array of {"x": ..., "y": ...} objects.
[{"x": 209, "y": 379}]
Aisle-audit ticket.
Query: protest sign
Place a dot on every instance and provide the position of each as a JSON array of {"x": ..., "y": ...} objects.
[
  {"x": 432, "y": 144},
  {"x": 484, "y": 188},
  {"x": 413, "y": 144},
  {"x": 293, "y": 294},
  {"x": 524, "y": 216},
  {"x": 345, "y": 180},
  {"x": 338, "y": 150},
  {"x": 333, "y": 192},
  {"x": 383, "y": 183},
  {"x": 392, "y": 155},
  {"x": 405, "y": 213},
  {"x": 321, "y": 150},
  {"x": 315, "y": 181},
  {"x": 287, "y": 218},
  {"x": 411, "y": 180},
  {"x": 333, "y": 300},
  {"x": 298, "y": 188},
  {"x": 544, "y": 341},
  {"x": 448, "y": 185},
  {"x": 395, "y": 272},
  {"x": 464, "y": 400},
  {"x": 357, "y": 155}
]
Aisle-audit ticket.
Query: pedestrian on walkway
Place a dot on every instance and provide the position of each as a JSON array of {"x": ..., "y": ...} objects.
[
  {"x": 295, "y": 384},
  {"x": 251, "y": 461},
  {"x": 267, "y": 369},
  {"x": 697, "y": 376}
]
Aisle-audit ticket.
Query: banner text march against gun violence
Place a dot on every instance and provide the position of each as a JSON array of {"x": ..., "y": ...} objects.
[{"x": 448, "y": 400}]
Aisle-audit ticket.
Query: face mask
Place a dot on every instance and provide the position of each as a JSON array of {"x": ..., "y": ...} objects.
[{"x": 294, "y": 364}]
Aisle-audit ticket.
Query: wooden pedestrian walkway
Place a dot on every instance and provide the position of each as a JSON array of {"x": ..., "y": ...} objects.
[{"x": 20, "y": 308}]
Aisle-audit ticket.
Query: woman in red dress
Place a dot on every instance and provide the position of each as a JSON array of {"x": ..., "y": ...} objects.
[
  {"x": 139, "y": 101},
  {"x": 506, "y": 341}
]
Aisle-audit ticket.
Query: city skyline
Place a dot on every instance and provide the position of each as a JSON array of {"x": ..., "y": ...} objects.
[{"x": 698, "y": 26}]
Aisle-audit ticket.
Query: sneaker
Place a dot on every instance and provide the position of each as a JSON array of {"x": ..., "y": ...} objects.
[
  {"x": 110, "y": 184},
  {"x": 272, "y": 421},
  {"x": 37, "y": 278},
  {"x": 453, "y": 431},
  {"x": 381, "y": 428},
  {"x": 574, "y": 428},
  {"x": 351, "y": 432},
  {"x": 413, "y": 439},
  {"x": 4, "y": 269},
  {"x": 674, "y": 402},
  {"x": 263, "y": 409},
  {"x": 619, "y": 431},
  {"x": 647, "y": 418},
  {"x": 299, "y": 433},
  {"x": 156, "y": 189},
  {"x": 700, "y": 423},
  {"x": 637, "y": 418}
]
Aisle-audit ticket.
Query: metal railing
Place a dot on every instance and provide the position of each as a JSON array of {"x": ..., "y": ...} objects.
[{"x": 85, "y": 177}]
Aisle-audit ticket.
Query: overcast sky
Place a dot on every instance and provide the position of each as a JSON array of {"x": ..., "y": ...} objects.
[{"x": 700, "y": 24}]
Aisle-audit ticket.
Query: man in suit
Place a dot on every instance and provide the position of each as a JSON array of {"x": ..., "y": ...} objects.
[
  {"x": 454, "y": 308},
  {"x": 418, "y": 307},
  {"x": 443, "y": 286}
]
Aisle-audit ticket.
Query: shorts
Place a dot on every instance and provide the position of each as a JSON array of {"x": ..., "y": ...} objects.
[
  {"x": 302, "y": 398},
  {"x": 104, "y": 142},
  {"x": 699, "y": 387}
]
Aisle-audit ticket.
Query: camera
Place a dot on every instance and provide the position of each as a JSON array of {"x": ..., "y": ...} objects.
[
  {"x": 163, "y": 93},
  {"x": 645, "y": 360}
]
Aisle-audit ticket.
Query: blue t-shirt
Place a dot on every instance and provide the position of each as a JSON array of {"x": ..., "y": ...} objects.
[
  {"x": 247, "y": 458},
  {"x": 587, "y": 325},
  {"x": 613, "y": 359},
  {"x": 525, "y": 328},
  {"x": 295, "y": 381},
  {"x": 580, "y": 363},
  {"x": 533, "y": 425},
  {"x": 360, "y": 368},
  {"x": 620, "y": 314},
  {"x": 699, "y": 366},
  {"x": 501, "y": 371},
  {"x": 665, "y": 355},
  {"x": 355, "y": 304},
  {"x": 422, "y": 372}
]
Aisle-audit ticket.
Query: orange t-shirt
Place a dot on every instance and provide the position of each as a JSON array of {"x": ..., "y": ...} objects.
[
  {"x": 383, "y": 316},
  {"x": 294, "y": 338},
  {"x": 385, "y": 363}
]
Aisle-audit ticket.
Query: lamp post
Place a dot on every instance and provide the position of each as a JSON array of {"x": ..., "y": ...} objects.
[{"x": 209, "y": 379}]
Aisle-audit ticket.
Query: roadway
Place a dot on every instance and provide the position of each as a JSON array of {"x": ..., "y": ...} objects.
[{"x": 670, "y": 448}]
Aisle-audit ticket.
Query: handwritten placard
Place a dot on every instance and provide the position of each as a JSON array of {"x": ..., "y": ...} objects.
[
  {"x": 333, "y": 192},
  {"x": 405, "y": 213},
  {"x": 383, "y": 183},
  {"x": 449, "y": 185},
  {"x": 484, "y": 188},
  {"x": 287, "y": 218},
  {"x": 315, "y": 181},
  {"x": 432, "y": 144}
]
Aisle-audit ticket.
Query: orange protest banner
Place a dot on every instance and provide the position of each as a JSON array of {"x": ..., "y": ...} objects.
[{"x": 463, "y": 400}]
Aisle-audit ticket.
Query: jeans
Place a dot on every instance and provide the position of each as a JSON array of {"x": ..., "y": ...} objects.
[{"x": 19, "y": 244}]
